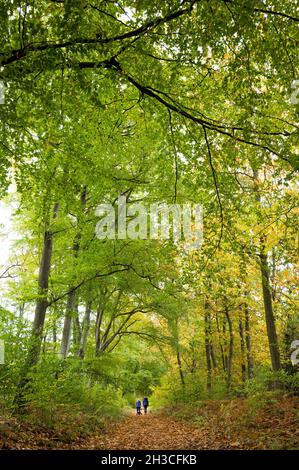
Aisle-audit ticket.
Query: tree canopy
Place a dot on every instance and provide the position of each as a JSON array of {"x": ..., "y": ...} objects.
[{"x": 188, "y": 101}]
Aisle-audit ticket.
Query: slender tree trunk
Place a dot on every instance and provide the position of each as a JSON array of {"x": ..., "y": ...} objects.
[
  {"x": 21, "y": 310},
  {"x": 248, "y": 343},
  {"x": 225, "y": 349},
  {"x": 40, "y": 311},
  {"x": 20, "y": 323},
  {"x": 242, "y": 348},
  {"x": 220, "y": 344},
  {"x": 208, "y": 347},
  {"x": 179, "y": 362},
  {"x": 231, "y": 349},
  {"x": 213, "y": 357},
  {"x": 269, "y": 314},
  {"x": 77, "y": 330},
  {"x": 54, "y": 334},
  {"x": 267, "y": 294},
  {"x": 273, "y": 275},
  {"x": 67, "y": 326},
  {"x": 176, "y": 336},
  {"x": 72, "y": 307},
  {"x": 98, "y": 336},
  {"x": 85, "y": 331}
]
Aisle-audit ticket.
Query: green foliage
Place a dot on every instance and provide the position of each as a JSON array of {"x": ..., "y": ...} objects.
[
  {"x": 14, "y": 332},
  {"x": 172, "y": 391},
  {"x": 57, "y": 388},
  {"x": 264, "y": 380},
  {"x": 185, "y": 102}
]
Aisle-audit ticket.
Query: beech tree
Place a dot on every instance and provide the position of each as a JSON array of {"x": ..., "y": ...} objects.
[{"x": 178, "y": 102}]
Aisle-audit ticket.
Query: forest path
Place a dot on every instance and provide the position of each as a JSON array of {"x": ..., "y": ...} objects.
[
  {"x": 219, "y": 425},
  {"x": 151, "y": 431}
]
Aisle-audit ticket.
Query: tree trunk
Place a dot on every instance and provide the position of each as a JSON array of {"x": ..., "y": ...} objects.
[
  {"x": 267, "y": 294},
  {"x": 98, "y": 336},
  {"x": 85, "y": 331},
  {"x": 225, "y": 348},
  {"x": 77, "y": 330},
  {"x": 231, "y": 349},
  {"x": 242, "y": 348},
  {"x": 248, "y": 343},
  {"x": 40, "y": 311},
  {"x": 220, "y": 344},
  {"x": 54, "y": 334},
  {"x": 208, "y": 346},
  {"x": 270, "y": 320},
  {"x": 179, "y": 362},
  {"x": 67, "y": 326},
  {"x": 72, "y": 307}
]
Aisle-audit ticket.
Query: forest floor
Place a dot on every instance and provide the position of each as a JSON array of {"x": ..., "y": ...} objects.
[{"x": 225, "y": 424}]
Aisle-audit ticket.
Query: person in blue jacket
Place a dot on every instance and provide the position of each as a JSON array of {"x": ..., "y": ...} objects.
[
  {"x": 145, "y": 404},
  {"x": 138, "y": 407}
]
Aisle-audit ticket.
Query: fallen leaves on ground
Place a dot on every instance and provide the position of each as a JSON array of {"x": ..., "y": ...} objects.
[
  {"x": 227, "y": 424},
  {"x": 153, "y": 431}
]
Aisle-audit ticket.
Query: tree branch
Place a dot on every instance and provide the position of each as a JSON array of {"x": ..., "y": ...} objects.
[{"x": 174, "y": 14}]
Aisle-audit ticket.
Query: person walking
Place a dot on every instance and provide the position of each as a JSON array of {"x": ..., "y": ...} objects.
[
  {"x": 145, "y": 404},
  {"x": 138, "y": 407}
]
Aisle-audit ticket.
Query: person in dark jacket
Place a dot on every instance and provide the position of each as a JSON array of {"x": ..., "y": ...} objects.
[
  {"x": 138, "y": 407},
  {"x": 145, "y": 404}
]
